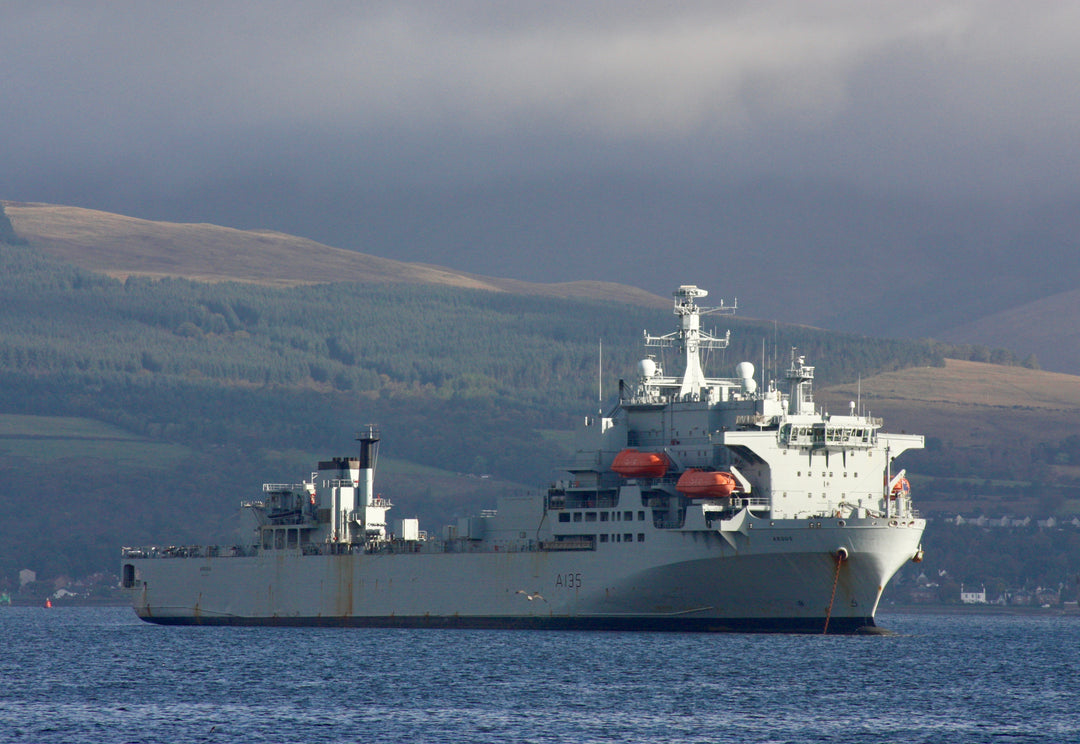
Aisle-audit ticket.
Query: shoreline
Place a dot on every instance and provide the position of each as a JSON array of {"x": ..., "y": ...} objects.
[{"x": 976, "y": 609}]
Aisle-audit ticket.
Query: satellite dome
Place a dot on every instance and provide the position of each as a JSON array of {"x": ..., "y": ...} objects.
[
  {"x": 744, "y": 370},
  {"x": 646, "y": 368}
]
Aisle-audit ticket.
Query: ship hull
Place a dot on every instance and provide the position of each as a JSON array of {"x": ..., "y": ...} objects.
[
  {"x": 778, "y": 576},
  {"x": 842, "y": 626}
]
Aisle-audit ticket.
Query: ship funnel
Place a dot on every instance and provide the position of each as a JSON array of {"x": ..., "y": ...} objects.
[
  {"x": 369, "y": 446},
  {"x": 369, "y": 453}
]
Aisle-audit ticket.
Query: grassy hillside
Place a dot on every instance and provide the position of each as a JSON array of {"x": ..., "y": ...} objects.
[
  {"x": 935, "y": 394},
  {"x": 120, "y": 246},
  {"x": 45, "y": 438}
]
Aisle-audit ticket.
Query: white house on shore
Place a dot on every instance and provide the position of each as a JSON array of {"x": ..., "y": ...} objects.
[{"x": 967, "y": 597}]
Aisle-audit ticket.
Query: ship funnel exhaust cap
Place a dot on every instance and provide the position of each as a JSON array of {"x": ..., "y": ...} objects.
[{"x": 370, "y": 433}]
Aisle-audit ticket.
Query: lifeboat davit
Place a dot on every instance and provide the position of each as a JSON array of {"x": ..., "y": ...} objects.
[
  {"x": 633, "y": 464},
  {"x": 706, "y": 484}
]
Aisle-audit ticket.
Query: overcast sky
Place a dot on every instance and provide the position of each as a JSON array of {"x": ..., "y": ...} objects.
[{"x": 316, "y": 117}]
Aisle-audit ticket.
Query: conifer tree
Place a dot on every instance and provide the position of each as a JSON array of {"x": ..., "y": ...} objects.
[{"x": 7, "y": 232}]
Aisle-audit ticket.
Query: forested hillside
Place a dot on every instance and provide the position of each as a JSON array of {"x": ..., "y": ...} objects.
[{"x": 73, "y": 332}]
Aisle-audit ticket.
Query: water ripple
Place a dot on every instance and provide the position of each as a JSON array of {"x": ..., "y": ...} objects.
[{"x": 79, "y": 674}]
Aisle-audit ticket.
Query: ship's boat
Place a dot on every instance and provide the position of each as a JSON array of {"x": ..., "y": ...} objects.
[
  {"x": 706, "y": 484},
  {"x": 820, "y": 525},
  {"x": 633, "y": 464}
]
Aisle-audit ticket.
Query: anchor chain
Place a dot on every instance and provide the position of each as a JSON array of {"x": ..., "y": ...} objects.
[{"x": 841, "y": 556}]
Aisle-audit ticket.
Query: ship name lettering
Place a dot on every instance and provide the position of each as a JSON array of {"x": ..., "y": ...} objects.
[
  {"x": 568, "y": 581},
  {"x": 785, "y": 538}
]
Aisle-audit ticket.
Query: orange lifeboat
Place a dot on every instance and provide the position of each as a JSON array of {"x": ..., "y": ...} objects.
[
  {"x": 633, "y": 464},
  {"x": 706, "y": 484},
  {"x": 902, "y": 487}
]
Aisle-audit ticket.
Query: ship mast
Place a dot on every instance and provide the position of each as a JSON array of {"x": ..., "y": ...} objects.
[
  {"x": 691, "y": 338},
  {"x": 801, "y": 379}
]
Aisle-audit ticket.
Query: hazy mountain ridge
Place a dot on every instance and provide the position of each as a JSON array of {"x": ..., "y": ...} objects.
[
  {"x": 1048, "y": 327},
  {"x": 121, "y": 246}
]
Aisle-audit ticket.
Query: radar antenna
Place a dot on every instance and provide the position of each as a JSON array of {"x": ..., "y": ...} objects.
[{"x": 690, "y": 338}]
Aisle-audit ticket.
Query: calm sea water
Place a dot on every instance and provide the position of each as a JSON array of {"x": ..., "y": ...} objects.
[{"x": 101, "y": 675}]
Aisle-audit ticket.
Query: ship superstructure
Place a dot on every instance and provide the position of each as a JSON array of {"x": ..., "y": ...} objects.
[{"x": 696, "y": 503}]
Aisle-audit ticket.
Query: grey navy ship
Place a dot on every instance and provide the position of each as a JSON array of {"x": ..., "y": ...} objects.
[{"x": 696, "y": 504}]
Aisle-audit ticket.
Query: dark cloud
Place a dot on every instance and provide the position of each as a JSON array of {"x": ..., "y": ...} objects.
[{"x": 484, "y": 133}]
